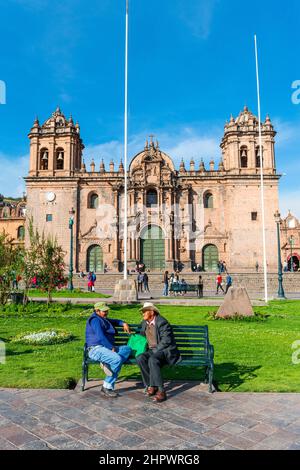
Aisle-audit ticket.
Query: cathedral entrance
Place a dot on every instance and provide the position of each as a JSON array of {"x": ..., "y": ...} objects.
[
  {"x": 153, "y": 248},
  {"x": 210, "y": 256},
  {"x": 95, "y": 259}
]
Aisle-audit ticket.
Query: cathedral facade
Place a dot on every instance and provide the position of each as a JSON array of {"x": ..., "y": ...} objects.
[{"x": 177, "y": 218}]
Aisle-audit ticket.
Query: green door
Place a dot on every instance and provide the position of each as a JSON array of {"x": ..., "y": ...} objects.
[
  {"x": 210, "y": 258},
  {"x": 153, "y": 248},
  {"x": 95, "y": 259}
]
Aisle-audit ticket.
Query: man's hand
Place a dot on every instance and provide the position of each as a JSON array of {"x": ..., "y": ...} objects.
[{"x": 126, "y": 328}]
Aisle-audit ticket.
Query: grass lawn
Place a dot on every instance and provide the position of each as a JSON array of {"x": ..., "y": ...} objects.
[
  {"x": 76, "y": 293},
  {"x": 253, "y": 356}
]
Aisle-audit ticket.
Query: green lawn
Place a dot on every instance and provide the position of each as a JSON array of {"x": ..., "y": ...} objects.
[
  {"x": 251, "y": 356},
  {"x": 76, "y": 293}
]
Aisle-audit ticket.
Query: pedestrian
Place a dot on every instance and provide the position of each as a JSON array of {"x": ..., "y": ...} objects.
[
  {"x": 166, "y": 284},
  {"x": 100, "y": 343},
  {"x": 219, "y": 266},
  {"x": 140, "y": 281},
  {"x": 224, "y": 267},
  {"x": 146, "y": 281},
  {"x": 219, "y": 283},
  {"x": 256, "y": 266},
  {"x": 162, "y": 350},
  {"x": 228, "y": 282},
  {"x": 90, "y": 282},
  {"x": 200, "y": 287}
]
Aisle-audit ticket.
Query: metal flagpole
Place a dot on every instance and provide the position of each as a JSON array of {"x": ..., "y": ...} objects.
[
  {"x": 126, "y": 145},
  {"x": 261, "y": 176}
]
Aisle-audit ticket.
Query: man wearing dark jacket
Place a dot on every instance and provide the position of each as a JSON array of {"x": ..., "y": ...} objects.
[
  {"x": 162, "y": 350},
  {"x": 100, "y": 343}
]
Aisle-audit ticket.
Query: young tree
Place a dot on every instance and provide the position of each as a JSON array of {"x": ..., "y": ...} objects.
[
  {"x": 44, "y": 259},
  {"x": 10, "y": 264}
]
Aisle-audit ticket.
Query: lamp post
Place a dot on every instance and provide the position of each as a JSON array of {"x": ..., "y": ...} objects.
[
  {"x": 291, "y": 242},
  {"x": 281, "y": 294},
  {"x": 71, "y": 223}
]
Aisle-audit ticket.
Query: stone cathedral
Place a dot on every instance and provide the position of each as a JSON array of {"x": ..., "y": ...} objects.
[{"x": 177, "y": 217}]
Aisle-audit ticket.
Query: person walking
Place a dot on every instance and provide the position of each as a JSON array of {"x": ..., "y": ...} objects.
[
  {"x": 219, "y": 284},
  {"x": 166, "y": 284},
  {"x": 228, "y": 282},
  {"x": 200, "y": 287},
  {"x": 256, "y": 266}
]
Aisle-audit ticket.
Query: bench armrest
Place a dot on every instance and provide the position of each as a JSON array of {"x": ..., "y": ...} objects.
[{"x": 211, "y": 352}]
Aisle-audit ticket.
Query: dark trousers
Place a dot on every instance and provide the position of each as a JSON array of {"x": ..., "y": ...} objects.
[
  {"x": 227, "y": 287},
  {"x": 200, "y": 291},
  {"x": 219, "y": 286},
  {"x": 140, "y": 287},
  {"x": 150, "y": 364}
]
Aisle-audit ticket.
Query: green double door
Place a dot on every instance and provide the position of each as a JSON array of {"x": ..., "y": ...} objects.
[
  {"x": 95, "y": 259},
  {"x": 153, "y": 248},
  {"x": 210, "y": 258}
]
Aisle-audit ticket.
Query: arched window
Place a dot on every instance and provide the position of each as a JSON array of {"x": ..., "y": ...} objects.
[
  {"x": 59, "y": 158},
  {"x": 244, "y": 157},
  {"x": 21, "y": 233},
  {"x": 208, "y": 201},
  {"x": 257, "y": 156},
  {"x": 151, "y": 198},
  {"x": 93, "y": 201},
  {"x": 44, "y": 159}
]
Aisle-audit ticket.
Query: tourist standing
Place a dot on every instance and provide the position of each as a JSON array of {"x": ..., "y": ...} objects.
[
  {"x": 146, "y": 281},
  {"x": 200, "y": 287},
  {"x": 90, "y": 282},
  {"x": 219, "y": 283},
  {"x": 140, "y": 281},
  {"x": 166, "y": 284}
]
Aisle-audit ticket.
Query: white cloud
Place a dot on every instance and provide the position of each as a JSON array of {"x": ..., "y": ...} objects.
[
  {"x": 197, "y": 16},
  {"x": 290, "y": 200},
  {"x": 187, "y": 144},
  {"x": 11, "y": 177}
]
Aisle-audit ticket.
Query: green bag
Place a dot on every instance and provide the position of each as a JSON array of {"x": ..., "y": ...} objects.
[{"x": 138, "y": 344}]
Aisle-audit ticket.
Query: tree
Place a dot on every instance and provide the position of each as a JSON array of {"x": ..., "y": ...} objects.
[
  {"x": 44, "y": 259},
  {"x": 11, "y": 262}
]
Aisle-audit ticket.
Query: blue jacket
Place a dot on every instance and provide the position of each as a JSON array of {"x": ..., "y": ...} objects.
[{"x": 100, "y": 331}]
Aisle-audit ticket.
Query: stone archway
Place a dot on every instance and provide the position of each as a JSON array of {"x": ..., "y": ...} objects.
[
  {"x": 153, "y": 248},
  {"x": 210, "y": 258},
  {"x": 95, "y": 259}
]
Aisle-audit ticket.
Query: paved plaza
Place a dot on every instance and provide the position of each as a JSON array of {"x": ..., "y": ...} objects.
[{"x": 191, "y": 419}]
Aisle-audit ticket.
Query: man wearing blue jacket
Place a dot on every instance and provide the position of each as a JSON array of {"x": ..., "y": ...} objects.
[{"x": 100, "y": 342}]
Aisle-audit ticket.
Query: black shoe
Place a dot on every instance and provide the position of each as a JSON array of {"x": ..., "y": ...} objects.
[{"x": 109, "y": 393}]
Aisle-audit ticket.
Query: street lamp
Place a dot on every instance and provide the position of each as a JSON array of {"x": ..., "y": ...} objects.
[
  {"x": 71, "y": 223},
  {"x": 280, "y": 286},
  {"x": 291, "y": 242}
]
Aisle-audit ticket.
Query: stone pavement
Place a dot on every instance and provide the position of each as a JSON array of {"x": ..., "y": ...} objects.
[{"x": 191, "y": 419}]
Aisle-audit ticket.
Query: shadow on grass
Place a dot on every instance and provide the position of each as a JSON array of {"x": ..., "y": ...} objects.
[
  {"x": 19, "y": 353},
  {"x": 229, "y": 375}
]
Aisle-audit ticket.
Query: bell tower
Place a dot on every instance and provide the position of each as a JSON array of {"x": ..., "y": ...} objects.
[
  {"x": 240, "y": 145},
  {"x": 55, "y": 147}
]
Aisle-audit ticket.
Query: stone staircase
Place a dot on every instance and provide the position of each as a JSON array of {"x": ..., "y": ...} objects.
[{"x": 254, "y": 282}]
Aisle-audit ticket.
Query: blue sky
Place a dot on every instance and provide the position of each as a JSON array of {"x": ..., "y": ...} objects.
[{"x": 191, "y": 64}]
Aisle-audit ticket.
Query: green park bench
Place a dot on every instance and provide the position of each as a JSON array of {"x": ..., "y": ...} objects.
[
  {"x": 179, "y": 288},
  {"x": 192, "y": 342}
]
